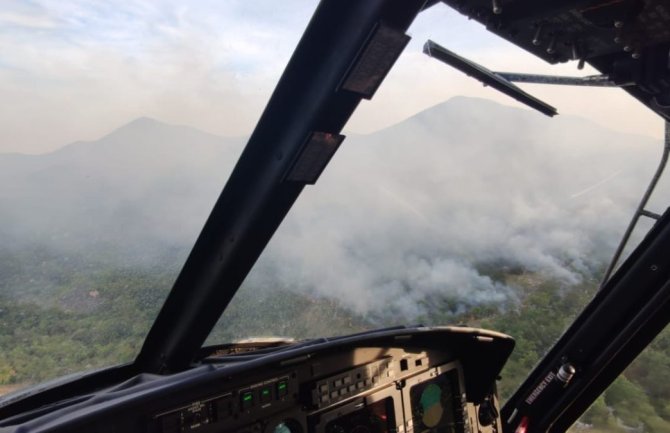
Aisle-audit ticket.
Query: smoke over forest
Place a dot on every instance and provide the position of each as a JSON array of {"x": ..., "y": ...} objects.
[{"x": 424, "y": 208}]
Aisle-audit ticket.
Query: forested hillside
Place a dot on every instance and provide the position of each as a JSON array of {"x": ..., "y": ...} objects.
[
  {"x": 445, "y": 218},
  {"x": 99, "y": 318}
]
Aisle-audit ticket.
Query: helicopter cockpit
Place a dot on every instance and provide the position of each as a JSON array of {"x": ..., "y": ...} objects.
[{"x": 400, "y": 379}]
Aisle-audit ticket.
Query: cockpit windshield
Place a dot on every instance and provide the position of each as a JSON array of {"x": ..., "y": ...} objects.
[{"x": 447, "y": 203}]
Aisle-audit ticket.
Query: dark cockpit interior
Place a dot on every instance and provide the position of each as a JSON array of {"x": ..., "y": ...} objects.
[
  {"x": 419, "y": 379},
  {"x": 396, "y": 380}
]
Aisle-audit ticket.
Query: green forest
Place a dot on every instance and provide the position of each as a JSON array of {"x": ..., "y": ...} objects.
[{"x": 65, "y": 317}]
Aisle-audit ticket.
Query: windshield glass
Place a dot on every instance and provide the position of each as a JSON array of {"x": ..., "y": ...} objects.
[
  {"x": 451, "y": 203},
  {"x": 638, "y": 399},
  {"x": 120, "y": 126},
  {"x": 447, "y": 203}
]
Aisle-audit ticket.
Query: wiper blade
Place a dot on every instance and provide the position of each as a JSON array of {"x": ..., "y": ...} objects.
[{"x": 486, "y": 76}]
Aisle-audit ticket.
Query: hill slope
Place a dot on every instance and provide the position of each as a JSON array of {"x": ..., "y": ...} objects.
[{"x": 468, "y": 212}]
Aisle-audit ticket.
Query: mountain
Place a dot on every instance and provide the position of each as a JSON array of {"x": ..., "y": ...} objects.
[
  {"x": 468, "y": 212},
  {"x": 125, "y": 191},
  {"x": 421, "y": 208},
  {"x": 405, "y": 213}
]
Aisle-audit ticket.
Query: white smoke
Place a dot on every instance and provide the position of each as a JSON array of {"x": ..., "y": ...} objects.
[{"x": 411, "y": 212}]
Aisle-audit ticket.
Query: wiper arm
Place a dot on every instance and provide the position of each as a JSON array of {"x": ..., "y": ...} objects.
[{"x": 487, "y": 77}]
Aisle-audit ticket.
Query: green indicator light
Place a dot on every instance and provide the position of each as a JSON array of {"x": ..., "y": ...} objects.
[
  {"x": 282, "y": 385},
  {"x": 248, "y": 397},
  {"x": 266, "y": 391}
]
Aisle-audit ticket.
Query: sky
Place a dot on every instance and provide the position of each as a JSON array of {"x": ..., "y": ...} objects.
[{"x": 75, "y": 70}]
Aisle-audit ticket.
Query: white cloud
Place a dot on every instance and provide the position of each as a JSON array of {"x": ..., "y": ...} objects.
[
  {"x": 15, "y": 19},
  {"x": 74, "y": 69},
  {"x": 103, "y": 65}
]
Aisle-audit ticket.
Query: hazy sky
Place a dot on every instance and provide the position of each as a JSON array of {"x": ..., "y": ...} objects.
[{"x": 75, "y": 69}]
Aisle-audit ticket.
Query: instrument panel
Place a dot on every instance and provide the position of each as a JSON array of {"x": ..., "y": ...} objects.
[
  {"x": 401, "y": 392},
  {"x": 361, "y": 390},
  {"x": 405, "y": 380}
]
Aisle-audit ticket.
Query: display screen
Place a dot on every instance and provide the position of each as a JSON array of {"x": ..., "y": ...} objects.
[
  {"x": 377, "y": 417},
  {"x": 436, "y": 405}
]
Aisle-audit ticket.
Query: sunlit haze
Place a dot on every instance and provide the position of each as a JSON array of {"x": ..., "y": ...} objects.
[
  {"x": 75, "y": 70},
  {"x": 447, "y": 203}
]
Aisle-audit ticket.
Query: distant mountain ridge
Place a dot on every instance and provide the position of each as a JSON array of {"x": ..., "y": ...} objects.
[
  {"x": 103, "y": 185},
  {"x": 419, "y": 203},
  {"x": 469, "y": 212}
]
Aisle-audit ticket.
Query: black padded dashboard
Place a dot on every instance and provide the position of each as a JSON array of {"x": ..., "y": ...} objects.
[{"x": 400, "y": 380}]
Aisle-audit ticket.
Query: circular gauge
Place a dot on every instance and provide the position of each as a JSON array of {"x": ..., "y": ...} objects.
[
  {"x": 286, "y": 426},
  {"x": 431, "y": 405}
]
